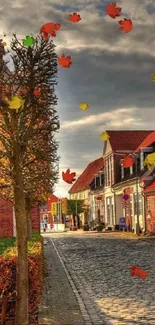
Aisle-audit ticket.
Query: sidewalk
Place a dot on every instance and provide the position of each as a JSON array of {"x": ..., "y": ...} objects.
[{"x": 59, "y": 305}]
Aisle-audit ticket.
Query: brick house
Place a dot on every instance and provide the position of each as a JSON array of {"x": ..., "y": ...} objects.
[
  {"x": 46, "y": 209},
  {"x": 81, "y": 188},
  {"x": 7, "y": 219},
  {"x": 139, "y": 184},
  {"x": 117, "y": 180},
  {"x": 148, "y": 183}
]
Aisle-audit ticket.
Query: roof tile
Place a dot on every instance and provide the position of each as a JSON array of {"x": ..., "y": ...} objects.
[
  {"x": 87, "y": 176},
  {"x": 147, "y": 141},
  {"x": 127, "y": 140}
]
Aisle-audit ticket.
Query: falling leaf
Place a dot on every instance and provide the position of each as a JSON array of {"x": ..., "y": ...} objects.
[
  {"x": 84, "y": 106},
  {"x": 15, "y": 102},
  {"x": 112, "y": 10},
  {"x": 128, "y": 161},
  {"x": 49, "y": 29},
  {"x": 104, "y": 136},
  {"x": 137, "y": 271},
  {"x": 29, "y": 41},
  {"x": 4, "y": 44},
  {"x": 153, "y": 77},
  {"x": 125, "y": 197},
  {"x": 65, "y": 62},
  {"x": 150, "y": 161},
  {"x": 68, "y": 177},
  {"x": 126, "y": 25},
  {"x": 36, "y": 93},
  {"x": 74, "y": 18}
]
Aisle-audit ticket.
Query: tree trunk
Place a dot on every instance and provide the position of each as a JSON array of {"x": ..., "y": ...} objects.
[
  {"x": 29, "y": 218},
  {"x": 22, "y": 262}
]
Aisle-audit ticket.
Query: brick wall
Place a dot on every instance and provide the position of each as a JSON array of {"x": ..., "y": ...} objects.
[
  {"x": 35, "y": 212},
  {"x": 150, "y": 211},
  {"x": 6, "y": 218}
]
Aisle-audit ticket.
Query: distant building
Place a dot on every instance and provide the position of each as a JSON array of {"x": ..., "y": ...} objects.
[{"x": 81, "y": 188}]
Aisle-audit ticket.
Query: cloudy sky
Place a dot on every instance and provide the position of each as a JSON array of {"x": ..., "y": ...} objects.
[{"x": 110, "y": 70}]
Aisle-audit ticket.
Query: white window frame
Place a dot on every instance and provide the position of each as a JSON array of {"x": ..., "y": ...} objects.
[
  {"x": 141, "y": 160},
  {"x": 131, "y": 170},
  {"x": 122, "y": 171}
]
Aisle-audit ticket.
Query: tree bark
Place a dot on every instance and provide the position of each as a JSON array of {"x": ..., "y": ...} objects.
[
  {"x": 29, "y": 218},
  {"x": 22, "y": 262}
]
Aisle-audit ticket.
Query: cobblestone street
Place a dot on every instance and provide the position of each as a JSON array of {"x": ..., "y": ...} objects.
[{"x": 98, "y": 266}]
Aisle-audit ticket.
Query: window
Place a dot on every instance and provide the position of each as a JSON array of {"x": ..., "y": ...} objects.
[
  {"x": 106, "y": 171},
  {"x": 97, "y": 181},
  {"x": 122, "y": 171},
  {"x": 102, "y": 179},
  {"x": 139, "y": 203},
  {"x": 110, "y": 171},
  {"x": 141, "y": 160},
  {"x": 131, "y": 211}
]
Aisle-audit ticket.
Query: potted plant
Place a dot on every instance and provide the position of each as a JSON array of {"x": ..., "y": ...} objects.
[
  {"x": 86, "y": 227},
  {"x": 73, "y": 228},
  {"x": 99, "y": 227}
]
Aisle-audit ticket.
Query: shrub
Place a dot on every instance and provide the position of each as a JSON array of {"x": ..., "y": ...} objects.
[{"x": 8, "y": 275}]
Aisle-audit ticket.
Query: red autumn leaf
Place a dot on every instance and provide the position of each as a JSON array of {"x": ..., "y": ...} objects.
[
  {"x": 65, "y": 62},
  {"x": 126, "y": 25},
  {"x": 137, "y": 271},
  {"x": 68, "y": 177},
  {"x": 49, "y": 29},
  {"x": 127, "y": 161},
  {"x": 112, "y": 10},
  {"x": 36, "y": 93},
  {"x": 74, "y": 18}
]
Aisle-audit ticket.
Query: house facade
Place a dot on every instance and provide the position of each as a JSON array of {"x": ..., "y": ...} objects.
[
  {"x": 119, "y": 144},
  {"x": 81, "y": 188},
  {"x": 97, "y": 200}
]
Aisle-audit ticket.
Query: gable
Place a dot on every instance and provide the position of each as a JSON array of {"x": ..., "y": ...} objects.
[{"x": 107, "y": 148}]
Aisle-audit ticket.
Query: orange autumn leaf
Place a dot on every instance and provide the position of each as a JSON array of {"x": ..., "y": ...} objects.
[
  {"x": 137, "y": 271},
  {"x": 112, "y": 10},
  {"x": 68, "y": 177},
  {"x": 74, "y": 18},
  {"x": 126, "y": 25},
  {"x": 65, "y": 62}
]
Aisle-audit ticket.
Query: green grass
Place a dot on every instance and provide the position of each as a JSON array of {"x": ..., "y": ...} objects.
[{"x": 7, "y": 243}]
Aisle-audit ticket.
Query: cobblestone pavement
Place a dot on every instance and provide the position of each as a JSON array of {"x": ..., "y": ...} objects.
[
  {"x": 98, "y": 265},
  {"x": 59, "y": 304}
]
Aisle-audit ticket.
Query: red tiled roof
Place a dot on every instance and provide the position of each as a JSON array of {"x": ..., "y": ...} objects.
[
  {"x": 127, "y": 140},
  {"x": 147, "y": 141},
  {"x": 87, "y": 176},
  {"x": 53, "y": 198}
]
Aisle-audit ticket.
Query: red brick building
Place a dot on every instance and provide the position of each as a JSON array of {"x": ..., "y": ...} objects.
[
  {"x": 7, "y": 219},
  {"x": 45, "y": 209}
]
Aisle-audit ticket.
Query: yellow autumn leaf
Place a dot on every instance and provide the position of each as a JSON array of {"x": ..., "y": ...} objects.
[
  {"x": 104, "y": 136},
  {"x": 150, "y": 161},
  {"x": 84, "y": 106},
  {"x": 16, "y": 102}
]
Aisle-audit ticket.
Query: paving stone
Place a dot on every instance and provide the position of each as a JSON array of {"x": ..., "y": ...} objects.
[
  {"x": 98, "y": 266},
  {"x": 59, "y": 304}
]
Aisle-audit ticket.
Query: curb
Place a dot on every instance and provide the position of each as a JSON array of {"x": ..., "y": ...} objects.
[{"x": 82, "y": 307}]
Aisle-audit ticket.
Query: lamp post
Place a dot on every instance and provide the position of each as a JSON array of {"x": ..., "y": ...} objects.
[{"x": 76, "y": 214}]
